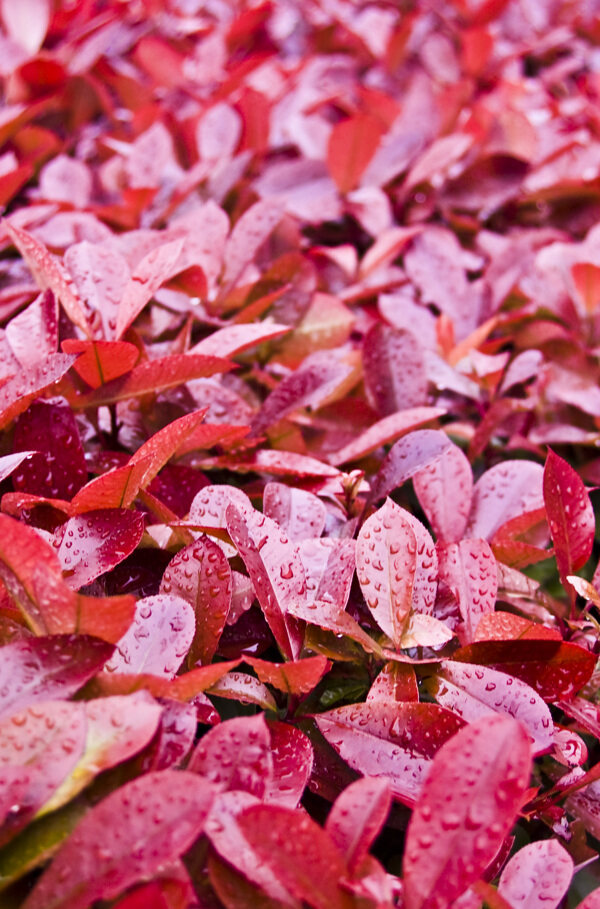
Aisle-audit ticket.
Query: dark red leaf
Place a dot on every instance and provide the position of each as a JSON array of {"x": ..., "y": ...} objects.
[
  {"x": 357, "y": 816},
  {"x": 125, "y": 838},
  {"x": 538, "y": 875},
  {"x": 468, "y": 805},
  {"x": 392, "y": 740},
  {"x": 59, "y": 470},
  {"x": 49, "y": 667},
  {"x": 555, "y": 669},
  {"x": 200, "y": 575},
  {"x": 91, "y": 544},
  {"x": 570, "y": 516}
]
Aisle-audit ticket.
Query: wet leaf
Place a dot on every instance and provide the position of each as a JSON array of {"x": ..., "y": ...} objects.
[
  {"x": 468, "y": 570},
  {"x": 467, "y": 806},
  {"x": 406, "y": 457},
  {"x": 200, "y": 575},
  {"x": 300, "y": 513},
  {"x": 19, "y": 391},
  {"x": 100, "y": 362},
  {"x": 539, "y": 874},
  {"x": 395, "y": 741},
  {"x": 236, "y": 754},
  {"x": 352, "y": 144},
  {"x": 394, "y": 369},
  {"x": 127, "y": 837},
  {"x": 444, "y": 490},
  {"x": 158, "y": 639},
  {"x": 570, "y": 515},
  {"x": 294, "y": 677},
  {"x": 91, "y": 544},
  {"x": 147, "y": 276},
  {"x": 292, "y": 755},
  {"x": 357, "y": 817}
]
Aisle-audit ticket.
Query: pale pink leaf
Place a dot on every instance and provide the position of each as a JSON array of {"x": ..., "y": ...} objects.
[
  {"x": 444, "y": 490},
  {"x": 147, "y": 276},
  {"x": 158, "y": 638},
  {"x": 299, "y": 512},
  {"x": 537, "y": 876}
]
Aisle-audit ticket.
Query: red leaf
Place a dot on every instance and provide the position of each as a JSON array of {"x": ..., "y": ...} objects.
[
  {"x": 33, "y": 577},
  {"x": 33, "y": 334},
  {"x": 386, "y": 565},
  {"x": 395, "y": 682},
  {"x": 555, "y": 669},
  {"x": 292, "y": 755},
  {"x": 210, "y": 505},
  {"x": 18, "y": 392},
  {"x": 297, "y": 852},
  {"x": 468, "y": 805},
  {"x": 504, "y": 626},
  {"x": 468, "y": 569},
  {"x": 158, "y": 638},
  {"x": 476, "y": 691},
  {"x": 200, "y": 575},
  {"x": 275, "y": 569},
  {"x": 87, "y": 546},
  {"x": 105, "y": 617},
  {"x": 570, "y": 516},
  {"x": 538, "y": 875},
  {"x": 45, "y": 668},
  {"x": 352, "y": 144},
  {"x": 300, "y": 513},
  {"x": 295, "y": 677},
  {"x": 236, "y": 754},
  {"x": 127, "y": 837},
  {"x": 233, "y": 339},
  {"x": 391, "y": 740},
  {"x": 115, "y": 489},
  {"x": 586, "y": 277},
  {"x": 101, "y": 361},
  {"x": 394, "y": 370},
  {"x": 406, "y": 457},
  {"x": 49, "y": 274},
  {"x": 161, "y": 447},
  {"x": 357, "y": 817},
  {"x": 154, "y": 269},
  {"x": 59, "y": 469},
  {"x": 151, "y": 377},
  {"x": 592, "y": 900},
  {"x": 444, "y": 490}
]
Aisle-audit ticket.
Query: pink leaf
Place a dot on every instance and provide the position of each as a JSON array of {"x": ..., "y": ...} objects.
[
  {"x": 329, "y": 569},
  {"x": 91, "y": 544},
  {"x": 9, "y": 463},
  {"x": 357, "y": 817},
  {"x": 33, "y": 334},
  {"x": 537, "y": 876},
  {"x": 570, "y": 516},
  {"x": 48, "y": 667},
  {"x": 300, "y": 513},
  {"x": 504, "y": 492},
  {"x": 27, "y": 23},
  {"x": 158, "y": 639},
  {"x": 200, "y": 575},
  {"x": 49, "y": 273},
  {"x": 19, "y": 391},
  {"x": 468, "y": 570},
  {"x": 406, "y": 457},
  {"x": 125, "y": 838},
  {"x": 233, "y": 339},
  {"x": 592, "y": 900},
  {"x": 236, "y": 754},
  {"x": 297, "y": 852},
  {"x": 394, "y": 371},
  {"x": 468, "y": 805},
  {"x": 153, "y": 270},
  {"x": 101, "y": 275},
  {"x": 246, "y": 238},
  {"x": 275, "y": 569},
  {"x": 476, "y": 691},
  {"x": 384, "y": 431},
  {"x": 444, "y": 490},
  {"x": 392, "y": 740}
]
